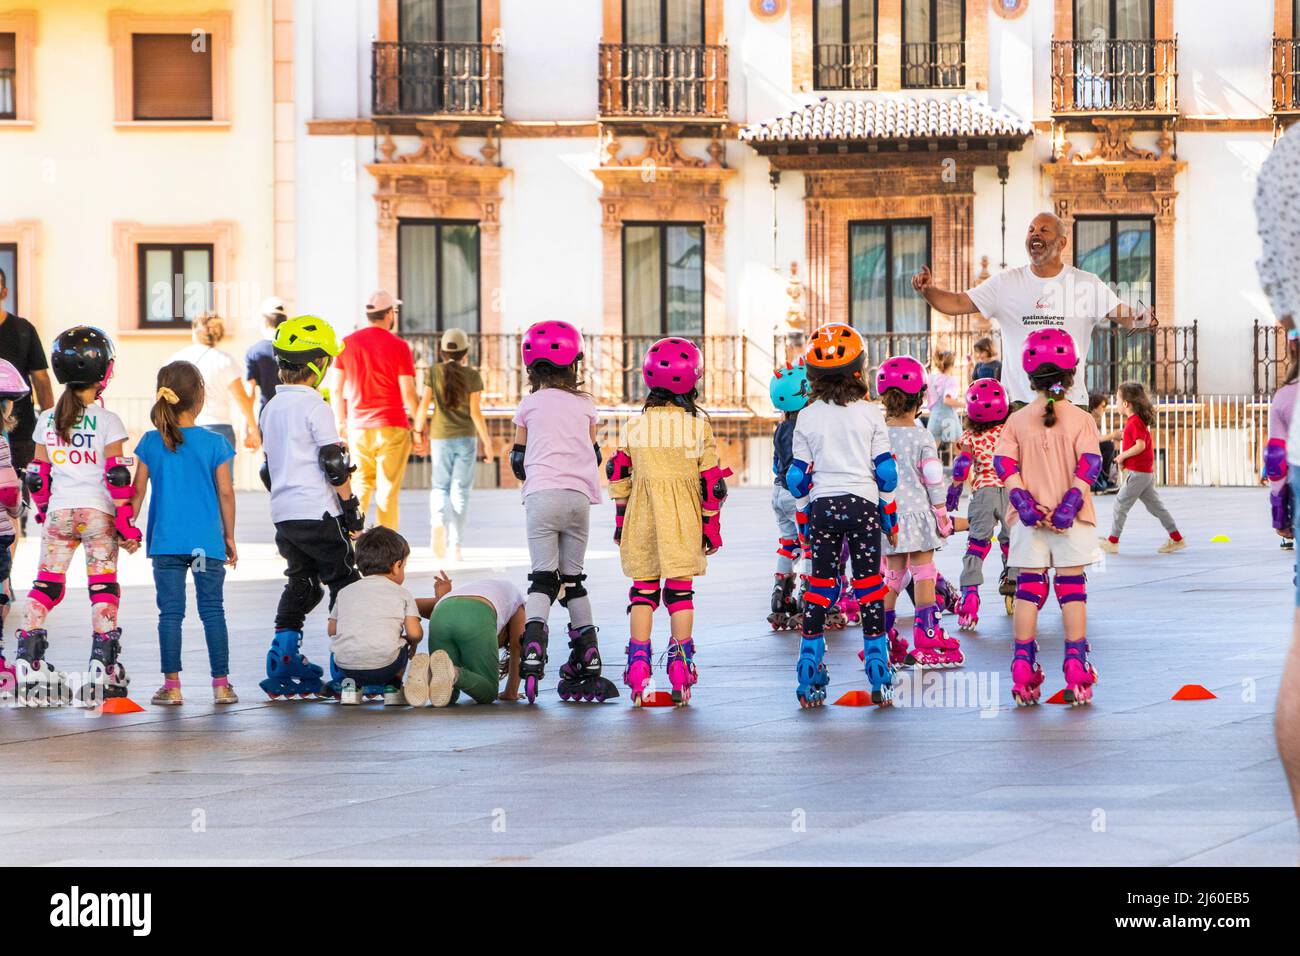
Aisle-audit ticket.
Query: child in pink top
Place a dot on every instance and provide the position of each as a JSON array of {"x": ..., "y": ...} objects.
[
  {"x": 555, "y": 455},
  {"x": 1280, "y": 410},
  {"x": 1048, "y": 456}
]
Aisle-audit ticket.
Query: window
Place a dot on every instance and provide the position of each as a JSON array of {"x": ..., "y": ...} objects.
[
  {"x": 8, "y": 74},
  {"x": 1115, "y": 54},
  {"x": 440, "y": 56},
  {"x": 664, "y": 60},
  {"x": 934, "y": 44},
  {"x": 883, "y": 257},
  {"x": 844, "y": 55},
  {"x": 171, "y": 77},
  {"x": 1121, "y": 252},
  {"x": 663, "y": 279},
  {"x": 175, "y": 283},
  {"x": 438, "y": 275},
  {"x": 9, "y": 266}
]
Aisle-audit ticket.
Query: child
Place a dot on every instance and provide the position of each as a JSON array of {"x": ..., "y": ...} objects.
[
  {"x": 468, "y": 625},
  {"x": 191, "y": 525},
  {"x": 315, "y": 513},
  {"x": 923, "y": 520},
  {"x": 1280, "y": 410},
  {"x": 984, "y": 356},
  {"x": 12, "y": 388},
  {"x": 1106, "y": 483},
  {"x": 1138, "y": 459},
  {"x": 1048, "y": 457},
  {"x": 943, "y": 398},
  {"x": 986, "y": 411},
  {"x": 374, "y": 625},
  {"x": 789, "y": 391},
  {"x": 668, "y": 489},
  {"x": 80, "y": 484},
  {"x": 556, "y": 456},
  {"x": 844, "y": 476}
]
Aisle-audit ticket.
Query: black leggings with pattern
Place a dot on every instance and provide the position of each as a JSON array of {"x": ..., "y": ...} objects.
[{"x": 832, "y": 522}]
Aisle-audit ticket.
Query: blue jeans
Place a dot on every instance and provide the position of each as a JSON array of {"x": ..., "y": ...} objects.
[
  {"x": 228, "y": 433},
  {"x": 209, "y": 582},
  {"x": 453, "y": 475}
]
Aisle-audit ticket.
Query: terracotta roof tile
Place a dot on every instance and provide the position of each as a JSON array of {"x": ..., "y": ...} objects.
[{"x": 892, "y": 118}]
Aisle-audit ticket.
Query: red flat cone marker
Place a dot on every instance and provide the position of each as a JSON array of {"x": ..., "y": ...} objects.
[
  {"x": 660, "y": 698},
  {"x": 1058, "y": 697},
  {"x": 1193, "y": 692},
  {"x": 121, "y": 705},
  {"x": 855, "y": 698}
]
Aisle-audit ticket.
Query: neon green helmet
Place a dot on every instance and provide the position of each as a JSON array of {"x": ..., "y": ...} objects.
[{"x": 306, "y": 340}]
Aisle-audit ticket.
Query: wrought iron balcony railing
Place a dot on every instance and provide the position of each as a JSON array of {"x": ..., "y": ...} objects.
[
  {"x": 845, "y": 66},
  {"x": 1286, "y": 73},
  {"x": 429, "y": 79},
  {"x": 7, "y": 94},
  {"x": 1115, "y": 76},
  {"x": 652, "y": 80},
  {"x": 934, "y": 66}
]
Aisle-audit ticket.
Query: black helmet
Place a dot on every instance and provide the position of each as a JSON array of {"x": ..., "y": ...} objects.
[{"x": 82, "y": 356}]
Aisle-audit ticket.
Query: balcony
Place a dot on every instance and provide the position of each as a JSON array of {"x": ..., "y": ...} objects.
[
  {"x": 663, "y": 81},
  {"x": 1286, "y": 90},
  {"x": 1114, "y": 77},
  {"x": 845, "y": 66},
  {"x": 934, "y": 66},
  {"x": 436, "y": 79}
]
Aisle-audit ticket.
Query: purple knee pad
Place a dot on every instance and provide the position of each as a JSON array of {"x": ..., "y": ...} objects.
[
  {"x": 1032, "y": 587},
  {"x": 1071, "y": 587},
  {"x": 978, "y": 548}
]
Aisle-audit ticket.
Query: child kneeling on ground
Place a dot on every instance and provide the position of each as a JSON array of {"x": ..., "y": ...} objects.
[
  {"x": 374, "y": 625},
  {"x": 468, "y": 626}
]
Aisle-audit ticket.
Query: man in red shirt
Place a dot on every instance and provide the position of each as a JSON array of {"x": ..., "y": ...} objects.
[{"x": 373, "y": 394}]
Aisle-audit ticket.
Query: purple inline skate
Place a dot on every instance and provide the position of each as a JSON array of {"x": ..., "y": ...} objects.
[
  {"x": 931, "y": 647},
  {"x": 1080, "y": 675},
  {"x": 637, "y": 673},
  {"x": 580, "y": 675},
  {"x": 532, "y": 663},
  {"x": 1026, "y": 674},
  {"x": 681, "y": 670},
  {"x": 968, "y": 609}
]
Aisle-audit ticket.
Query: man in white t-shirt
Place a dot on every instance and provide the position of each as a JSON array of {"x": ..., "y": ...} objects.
[{"x": 1046, "y": 293}]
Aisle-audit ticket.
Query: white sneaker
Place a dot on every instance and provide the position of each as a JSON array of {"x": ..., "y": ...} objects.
[
  {"x": 1107, "y": 545},
  {"x": 438, "y": 541},
  {"x": 1170, "y": 546},
  {"x": 350, "y": 694},
  {"x": 442, "y": 679},
  {"x": 416, "y": 685}
]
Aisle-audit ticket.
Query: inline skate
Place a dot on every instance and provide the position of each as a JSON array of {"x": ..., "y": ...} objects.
[
  {"x": 288, "y": 672},
  {"x": 784, "y": 606},
  {"x": 812, "y": 673},
  {"x": 106, "y": 676},
  {"x": 36, "y": 683},
  {"x": 681, "y": 670},
  {"x": 532, "y": 662},
  {"x": 639, "y": 670},
  {"x": 945, "y": 595},
  {"x": 1007, "y": 588},
  {"x": 968, "y": 609},
  {"x": 931, "y": 647},
  {"x": 880, "y": 673},
  {"x": 580, "y": 675},
  {"x": 1026, "y": 674},
  {"x": 1080, "y": 675}
]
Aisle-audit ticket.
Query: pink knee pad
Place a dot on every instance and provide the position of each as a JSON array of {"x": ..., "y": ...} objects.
[
  {"x": 104, "y": 589},
  {"x": 978, "y": 547},
  {"x": 1071, "y": 587},
  {"x": 924, "y": 572},
  {"x": 643, "y": 594},
  {"x": 48, "y": 589},
  {"x": 678, "y": 595},
  {"x": 895, "y": 579},
  {"x": 1032, "y": 587}
]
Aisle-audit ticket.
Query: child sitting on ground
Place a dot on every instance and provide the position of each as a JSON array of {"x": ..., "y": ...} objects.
[{"x": 374, "y": 625}]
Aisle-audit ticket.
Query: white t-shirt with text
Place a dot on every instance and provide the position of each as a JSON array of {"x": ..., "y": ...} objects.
[{"x": 77, "y": 472}]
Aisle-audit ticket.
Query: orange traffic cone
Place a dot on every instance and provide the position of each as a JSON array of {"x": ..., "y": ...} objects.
[
  {"x": 1193, "y": 692},
  {"x": 855, "y": 698},
  {"x": 121, "y": 705}
]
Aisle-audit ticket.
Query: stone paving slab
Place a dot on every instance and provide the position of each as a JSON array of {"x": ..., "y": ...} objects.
[{"x": 742, "y": 776}]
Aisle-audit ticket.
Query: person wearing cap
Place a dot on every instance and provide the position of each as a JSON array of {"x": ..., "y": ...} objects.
[
  {"x": 453, "y": 389},
  {"x": 261, "y": 373},
  {"x": 374, "y": 399}
]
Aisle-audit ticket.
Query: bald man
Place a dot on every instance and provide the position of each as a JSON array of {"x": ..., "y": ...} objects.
[{"x": 1046, "y": 293}]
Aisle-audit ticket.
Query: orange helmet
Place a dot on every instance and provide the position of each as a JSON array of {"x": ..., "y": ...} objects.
[{"x": 835, "y": 349}]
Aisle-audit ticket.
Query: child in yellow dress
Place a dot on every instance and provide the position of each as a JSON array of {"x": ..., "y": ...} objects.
[{"x": 667, "y": 488}]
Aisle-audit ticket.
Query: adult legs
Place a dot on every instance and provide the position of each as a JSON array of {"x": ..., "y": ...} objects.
[
  {"x": 392, "y": 454},
  {"x": 363, "y": 444}
]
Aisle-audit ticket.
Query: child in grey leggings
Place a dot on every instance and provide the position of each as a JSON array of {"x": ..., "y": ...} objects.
[{"x": 1138, "y": 461}]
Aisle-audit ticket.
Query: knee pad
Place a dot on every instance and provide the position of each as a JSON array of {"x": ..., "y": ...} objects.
[
  {"x": 104, "y": 589},
  {"x": 1071, "y": 587},
  {"x": 305, "y": 592},
  {"x": 924, "y": 572},
  {"x": 545, "y": 582},
  {"x": 978, "y": 548},
  {"x": 678, "y": 595},
  {"x": 1031, "y": 586},
  {"x": 572, "y": 588},
  {"x": 895, "y": 579},
  {"x": 643, "y": 594},
  {"x": 823, "y": 592},
  {"x": 48, "y": 589},
  {"x": 788, "y": 548},
  {"x": 868, "y": 589}
]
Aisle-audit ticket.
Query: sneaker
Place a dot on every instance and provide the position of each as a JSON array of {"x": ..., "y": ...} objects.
[
  {"x": 416, "y": 685},
  {"x": 350, "y": 694},
  {"x": 167, "y": 697},
  {"x": 1170, "y": 546},
  {"x": 438, "y": 541},
  {"x": 442, "y": 679},
  {"x": 1288, "y": 544},
  {"x": 394, "y": 696},
  {"x": 1107, "y": 545},
  {"x": 224, "y": 694}
]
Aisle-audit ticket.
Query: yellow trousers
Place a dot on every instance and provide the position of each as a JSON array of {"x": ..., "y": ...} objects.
[{"x": 380, "y": 455}]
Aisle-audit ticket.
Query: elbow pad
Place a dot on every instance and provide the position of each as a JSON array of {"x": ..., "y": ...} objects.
[
  {"x": 117, "y": 479},
  {"x": 1275, "y": 459},
  {"x": 1005, "y": 467},
  {"x": 961, "y": 467},
  {"x": 1088, "y": 468},
  {"x": 39, "y": 481},
  {"x": 713, "y": 487},
  {"x": 619, "y": 467},
  {"x": 798, "y": 478},
  {"x": 517, "y": 461},
  {"x": 886, "y": 471},
  {"x": 336, "y": 463},
  {"x": 932, "y": 472},
  {"x": 265, "y": 473}
]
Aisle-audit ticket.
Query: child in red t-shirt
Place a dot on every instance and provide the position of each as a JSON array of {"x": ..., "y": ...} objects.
[{"x": 1137, "y": 459}]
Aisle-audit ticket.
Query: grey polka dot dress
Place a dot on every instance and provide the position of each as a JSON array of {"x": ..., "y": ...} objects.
[{"x": 918, "y": 529}]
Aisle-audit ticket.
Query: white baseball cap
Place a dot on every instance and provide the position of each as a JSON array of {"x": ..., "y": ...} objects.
[{"x": 273, "y": 306}]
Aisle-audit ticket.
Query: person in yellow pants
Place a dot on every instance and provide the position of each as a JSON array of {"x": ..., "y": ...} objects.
[{"x": 380, "y": 455}]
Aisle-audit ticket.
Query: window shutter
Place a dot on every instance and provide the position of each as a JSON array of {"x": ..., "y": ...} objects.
[
  {"x": 171, "y": 81},
  {"x": 8, "y": 54}
]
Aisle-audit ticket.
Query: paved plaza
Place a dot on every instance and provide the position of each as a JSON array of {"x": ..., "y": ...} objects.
[{"x": 954, "y": 775}]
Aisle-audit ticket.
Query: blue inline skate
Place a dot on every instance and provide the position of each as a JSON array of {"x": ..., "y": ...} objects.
[
  {"x": 875, "y": 659},
  {"x": 345, "y": 690},
  {"x": 813, "y": 675},
  {"x": 288, "y": 672}
]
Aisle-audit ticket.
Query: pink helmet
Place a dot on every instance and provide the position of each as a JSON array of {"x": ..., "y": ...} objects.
[
  {"x": 986, "y": 401},
  {"x": 12, "y": 385},
  {"x": 1052, "y": 347},
  {"x": 673, "y": 363},
  {"x": 902, "y": 372},
  {"x": 556, "y": 342}
]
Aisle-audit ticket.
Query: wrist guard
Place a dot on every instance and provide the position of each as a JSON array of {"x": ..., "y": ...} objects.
[
  {"x": 1026, "y": 507},
  {"x": 713, "y": 492},
  {"x": 517, "y": 461},
  {"x": 954, "y": 496},
  {"x": 888, "y": 517},
  {"x": 1064, "y": 515},
  {"x": 945, "y": 522},
  {"x": 619, "y": 467},
  {"x": 39, "y": 482},
  {"x": 117, "y": 479},
  {"x": 352, "y": 519},
  {"x": 620, "y": 509}
]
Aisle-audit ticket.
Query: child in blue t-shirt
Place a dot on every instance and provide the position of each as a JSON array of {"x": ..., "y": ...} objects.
[{"x": 191, "y": 524}]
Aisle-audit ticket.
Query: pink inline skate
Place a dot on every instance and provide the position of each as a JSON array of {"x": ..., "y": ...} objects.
[
  {"x": 638, "y": 671},
  {"x": 849, "y": 609},
  {"x": 968, "y": 609},
  {"x": 1080, "y": 675},
  {"x": 1026, "y": 674},
  {"x": 897, "y": 645},
  {"x": 681, "y": 670},
  {"x": 931, "y": 647}
]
